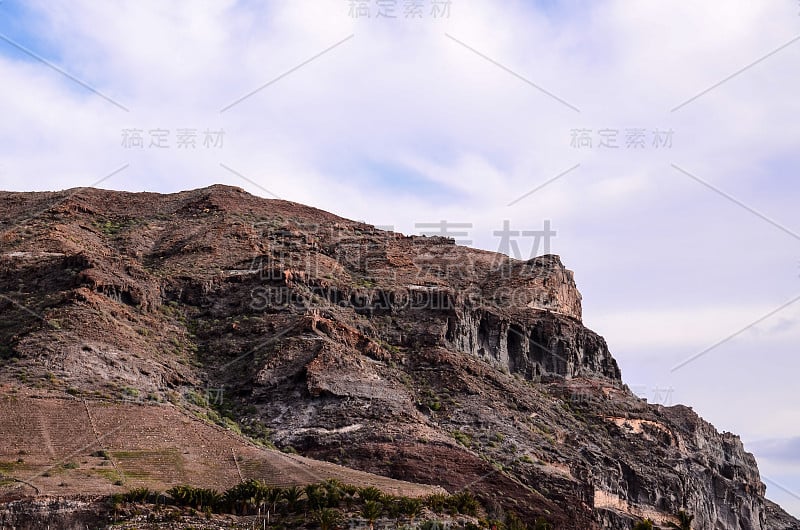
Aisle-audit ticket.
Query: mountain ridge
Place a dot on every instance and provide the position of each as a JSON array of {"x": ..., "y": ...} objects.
[{"x": 404, "y": 356}]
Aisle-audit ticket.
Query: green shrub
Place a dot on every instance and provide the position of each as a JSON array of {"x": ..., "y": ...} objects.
[
  {"x": 292, "y": 496},
  {"x": 328, "y": 518},
  {"x": 197, "y": 498},
  {"x": 370, "y": 494},
  {"x": 436, "y": 502},
  {"x": 462, "y": 438},
  {"x": 372, "y": 511},
  {"x": 140, "y": 495},
  {"x": 411, "y": 508},
  {"x": 464, "y": 503}
]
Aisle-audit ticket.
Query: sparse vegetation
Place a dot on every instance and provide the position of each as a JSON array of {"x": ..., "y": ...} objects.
[
  {"x": 463, "y": 438},
  {"x": 325, "y": 504},
  {"x": 139, "y": 495},
  {"x": 370, "y": 494},
  {"x": 129, "y": 393},
  {"x": 328, "y": 518},
  {"x": 110, "y": 227},
  {"x": 371, "y": 512}
]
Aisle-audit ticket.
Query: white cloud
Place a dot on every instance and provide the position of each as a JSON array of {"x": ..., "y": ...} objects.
[{"x": 686, "y": 328}]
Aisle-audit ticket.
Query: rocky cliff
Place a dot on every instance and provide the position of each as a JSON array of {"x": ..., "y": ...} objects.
[{"x": 403, "y": 356}]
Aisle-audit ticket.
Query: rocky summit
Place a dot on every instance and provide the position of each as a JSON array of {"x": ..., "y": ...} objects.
[{"x": 211, "y": 339}]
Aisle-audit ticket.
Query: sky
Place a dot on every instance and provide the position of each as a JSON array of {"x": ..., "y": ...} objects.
[{"x": 658, "y": 140}]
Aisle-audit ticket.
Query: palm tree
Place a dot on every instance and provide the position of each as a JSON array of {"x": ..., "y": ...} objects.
[
  {"x": 436, "y": 502},
  {"x": 315, "y": 496},
  {"x": 116, "y": 503},
  {"x": 685, "y": 521},
  {"x": 465, "y": 503},
  {"x": 349, "y": 499},
  {"x": 370, "y": 494},
  {"x": 246, "y": 496},
  {"x": 393, "y": 509},
  {"x": 257, "y": 503},
  {"x": 371, "y": 512},
  {"x": 272, "y": 496},
  {"x": 328, "y": 518},
  {"x": 349, "y": 489},
  {"x": 292, "y": 496},
  {"x": 208, "y": 499},
  {"x": 411, "y": 508},
  {"x": 333, "y": 490}
]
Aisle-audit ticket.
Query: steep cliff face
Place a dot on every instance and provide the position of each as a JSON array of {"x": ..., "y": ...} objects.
[
  {"x": 723, "y": 458},
  {"x": 697, "y": 469},
  {"x": 409, "y": 357},
  {"x": 546, "y": 344}
]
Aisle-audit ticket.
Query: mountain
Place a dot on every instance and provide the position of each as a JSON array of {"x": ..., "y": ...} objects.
[{"x": 184, "y": 338}]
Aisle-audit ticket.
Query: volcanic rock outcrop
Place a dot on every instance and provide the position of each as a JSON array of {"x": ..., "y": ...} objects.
[{"x": 407, "y": 357}]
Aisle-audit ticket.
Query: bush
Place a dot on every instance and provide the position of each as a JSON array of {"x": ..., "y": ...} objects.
[
  {"x": 328, "y": 518},
  {"x": 292, "y": 496},
  {"x": 464, "y": 503},
  {"x": 140, "y": 495},
  {"x": 315, "y": 496},
  {"x": 436, "y": 502},
  {"x": 370, "y": 494},
  {"x": 372, "y": 511},
  {"x": 321, "y": 501},
  {"x": 462, "y": 438},
  {"x": 513, "y": 522},
  {"x": 197, "y": 498},
  {"x": 411, "y": 508},
  {"x": 249, "y": 496}
]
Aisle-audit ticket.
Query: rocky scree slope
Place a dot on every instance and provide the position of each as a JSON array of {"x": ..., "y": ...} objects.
[{"x": 409, "y": 357}]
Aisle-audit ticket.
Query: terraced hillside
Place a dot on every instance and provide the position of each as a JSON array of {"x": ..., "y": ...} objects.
[{"x": 61, "y": 446}]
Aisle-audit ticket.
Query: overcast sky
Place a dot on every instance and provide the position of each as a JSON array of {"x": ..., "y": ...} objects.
[{"x": 659, "y": 139}]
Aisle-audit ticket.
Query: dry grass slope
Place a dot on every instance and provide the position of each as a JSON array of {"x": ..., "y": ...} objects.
[{"x": 49, "y": 444}]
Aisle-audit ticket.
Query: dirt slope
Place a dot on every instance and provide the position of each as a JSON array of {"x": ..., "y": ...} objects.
[{"x": 54, "y": 446}]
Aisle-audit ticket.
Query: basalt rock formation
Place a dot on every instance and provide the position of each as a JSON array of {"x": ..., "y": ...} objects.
[{"x": 398, "y": 356}]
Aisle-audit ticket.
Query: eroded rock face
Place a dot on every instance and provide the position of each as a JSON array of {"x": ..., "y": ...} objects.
[
  {"x": 709, "y": 474},
  {"x": 62, "y": 513},
  {"x": 410, "y": 357},
  {"x": 547, "y": 344}
]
